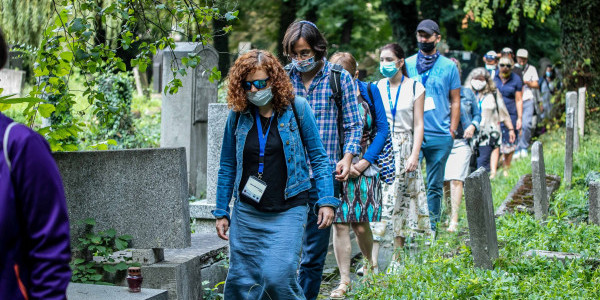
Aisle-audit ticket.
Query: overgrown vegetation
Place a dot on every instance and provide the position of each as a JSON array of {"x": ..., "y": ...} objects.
[
  {"x": 101, "y": 245},
  {"x": 448, "y": 263}
]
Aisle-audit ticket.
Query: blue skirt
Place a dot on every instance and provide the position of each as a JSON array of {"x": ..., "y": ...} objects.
[{"x": 264, "y": 253}]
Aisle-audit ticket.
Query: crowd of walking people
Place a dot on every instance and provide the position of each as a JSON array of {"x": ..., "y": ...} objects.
[{"x": 308, "y": 145}]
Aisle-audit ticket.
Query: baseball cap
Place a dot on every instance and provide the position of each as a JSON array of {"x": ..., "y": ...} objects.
[
  {"x": 428, "y": 26},
  {"x": 522, "y": 53},
  {"x": 491, "y": 55},
  {"x": 506, "y": 50}
]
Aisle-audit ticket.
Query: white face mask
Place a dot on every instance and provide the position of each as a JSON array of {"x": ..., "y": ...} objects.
[{"x": 478, "y": 85}]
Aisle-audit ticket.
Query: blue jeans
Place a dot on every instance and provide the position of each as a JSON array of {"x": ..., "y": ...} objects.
[
  {"x": 314, "y": 247},
  {"x": 435, "y": 150},
  {"x": 527, "y": 124},
  {"x": 264, "y": 251}
]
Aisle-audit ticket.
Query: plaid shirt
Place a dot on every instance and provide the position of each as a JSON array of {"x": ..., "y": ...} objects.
[{"x": 326, "y": 111}]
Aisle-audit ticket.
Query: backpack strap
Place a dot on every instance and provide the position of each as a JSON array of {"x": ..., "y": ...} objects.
[
  {"x": 288, "y": 69},
  {"x": 5, "y": 144},
  {"x": 414, "y": 88},
  {"x": 335, "y": 83}
]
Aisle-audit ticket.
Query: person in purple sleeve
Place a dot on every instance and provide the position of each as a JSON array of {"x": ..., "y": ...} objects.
[{"x": 34, "y": 239}]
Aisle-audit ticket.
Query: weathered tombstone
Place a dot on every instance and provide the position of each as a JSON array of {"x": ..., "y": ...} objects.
[
  {"x": 217, "y": 117},
  {"x": 185, "y": 114},
  {"x": 11, "y": 82},
  {"x": 594, "y": 201},
  {"x": 157, "y": 69},
  {"x": 581, "y": 111},
  {"x": 571, "y": 104},
  {"x": 480, "y": 216},
  {"x": 244, "y": 47},
  {"x": 538, "y": 179}
]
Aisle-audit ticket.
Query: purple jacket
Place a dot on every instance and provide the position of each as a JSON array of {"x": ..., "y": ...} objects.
[{"x": 34, "y": 226}]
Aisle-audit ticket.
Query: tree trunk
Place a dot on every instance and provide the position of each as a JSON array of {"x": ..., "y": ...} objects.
[
  {"x": 580, "y": 48},
  {"x": 347, "y": 31},
  {"x": 287, "y": 15},
  {"x": 403, "y": 18},
  {"x": 221, "y": 43}
]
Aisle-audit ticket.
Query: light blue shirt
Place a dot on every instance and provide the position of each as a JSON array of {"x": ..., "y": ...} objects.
[{"x": 441, "y": 79}]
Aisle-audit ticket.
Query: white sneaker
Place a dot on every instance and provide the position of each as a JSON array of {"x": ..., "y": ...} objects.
[{"x": 517, "y": 155}]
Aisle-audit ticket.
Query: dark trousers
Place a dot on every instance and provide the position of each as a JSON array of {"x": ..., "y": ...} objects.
[
  {"x": 314, "y": 247},
  {"x": 483, "y": 160}
]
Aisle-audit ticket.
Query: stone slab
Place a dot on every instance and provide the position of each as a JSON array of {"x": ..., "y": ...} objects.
[
  {"x": 538, "y": 181},
  {"x": 80, "y": 291},
  {"x": 217, "y": 118},
  {"x": 183, "y": 270},
  {"x": 184, "y": 114},
  {"x": 570, "y": 137},
  {"x": 11, "y": 81},
  {"x": 581, "y": 111},
  {"x": 561, "y": 256},
  {"x": 480, "y": 216},
  {"x": 594, "y": 202},
  {"x": 140, "y": 192}
]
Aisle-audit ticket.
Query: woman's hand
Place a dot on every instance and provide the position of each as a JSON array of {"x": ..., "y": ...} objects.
[
  {"x": 354, "y": 172},
  {"x": 411, "y": 163},
  {"x": 358, "y": 168},
  {"x": 326, "y": 215},
  {"x": 469, "y": 132},
  {"x": 511, "y": 136},
  {"x": 222, "y": 227},
  {"x": 518, "y": 124}
]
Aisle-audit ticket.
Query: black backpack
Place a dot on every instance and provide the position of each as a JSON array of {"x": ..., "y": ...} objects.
[{"x": 335, "y": 83}]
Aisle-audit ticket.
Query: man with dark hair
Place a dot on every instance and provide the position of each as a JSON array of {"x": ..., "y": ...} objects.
[
  {"x": 311, "y": 74},
  {"x": 440, "y": 77},
  {"x": 34, "y": 226}
]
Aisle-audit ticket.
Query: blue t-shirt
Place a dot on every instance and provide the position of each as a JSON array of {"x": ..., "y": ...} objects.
[
  {"x": 441, "y": 79},
  {"x": 508, "y": 91}
]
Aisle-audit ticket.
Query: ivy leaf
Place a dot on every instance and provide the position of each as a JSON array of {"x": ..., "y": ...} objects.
[
  {"x": 46, "y": 110},
  {"x": 120, "y": 244},
  {"x": 232, "y": 15},
  {"x": 121, "y": 66},
  {"x": 96, "y": 277},
  {"x": 122, "y": 266},
  {"x": 109, "y": 268},
  {"x": 78, "y": 261}
]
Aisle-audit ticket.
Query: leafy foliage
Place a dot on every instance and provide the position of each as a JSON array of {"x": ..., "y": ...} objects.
[
  {"x": 71, "y": 43},
  {"x": 102, "y": 244}
]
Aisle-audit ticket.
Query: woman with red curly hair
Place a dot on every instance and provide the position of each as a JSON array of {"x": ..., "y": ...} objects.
[{"x": 269, "y": 136}]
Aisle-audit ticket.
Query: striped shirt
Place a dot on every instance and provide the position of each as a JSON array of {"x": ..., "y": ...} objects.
[{"x": 325, "y": 110}]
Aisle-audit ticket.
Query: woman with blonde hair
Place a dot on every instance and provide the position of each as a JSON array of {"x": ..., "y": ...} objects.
[
  {"x": 267, "y": 137},
  {"x": 493, "y": 112}
]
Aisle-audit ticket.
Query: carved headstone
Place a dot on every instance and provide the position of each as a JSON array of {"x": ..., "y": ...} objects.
[
  {"x": 570, "y": 136},
  {"x": 480, "y": 215},
  {"x": 185, "y": 114},
  {"x": 594, "y": 201},
  {"x": 538, "y": 179}
]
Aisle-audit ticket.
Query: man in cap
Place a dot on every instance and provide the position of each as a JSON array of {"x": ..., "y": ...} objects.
[
  {"x": 440, "y": 77},
  {"x": 491, "y": 62},
  {"x": 530, "y": 84}
]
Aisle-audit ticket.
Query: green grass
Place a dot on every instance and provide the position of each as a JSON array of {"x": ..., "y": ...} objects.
[{"x": 445, "y": 270}]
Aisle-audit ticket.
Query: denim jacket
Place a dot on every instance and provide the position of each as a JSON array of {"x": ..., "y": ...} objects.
[
  {"x": 298, "y": 178},
  {"x": 469, "y": 111}
]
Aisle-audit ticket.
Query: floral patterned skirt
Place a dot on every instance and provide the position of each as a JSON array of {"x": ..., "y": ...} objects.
[{"x": 404, "y": 203}]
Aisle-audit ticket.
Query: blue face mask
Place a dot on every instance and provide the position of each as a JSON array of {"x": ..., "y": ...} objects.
[
  {"x": 304, "y": 66},
  {"x": 388, "y": 69},
  {"x": 548, "y": 74},
  {"x": 260, "y": 98},
  {"x": 490, "y": 67}
]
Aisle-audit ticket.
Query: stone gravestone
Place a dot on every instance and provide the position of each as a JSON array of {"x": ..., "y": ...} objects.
[
  {"x": 185, "y": 114},
  {"x": 570, "y": 137},
  {"x": 157, "y": 69},
  {"x": 480, "y": 216},
  {"x": 538, "y": 180},
  {"x": 594, "y": 201},
  {"x": 11, "y": 82},
  {"x": 581, "y": 111},
  {"x": 217, "y": 117}
]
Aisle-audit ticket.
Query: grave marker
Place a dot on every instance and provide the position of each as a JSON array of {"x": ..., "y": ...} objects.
[
  {"x": 581, "y": 111},
  {"x": 217, "y": 117},
  {"x": 570, "y": 123},
  {"x": 11, "y": 81},
  {"x": 594, "y": 201},
  {"x": 538, "y": 179},
  {"x": 480, "y": 216}
]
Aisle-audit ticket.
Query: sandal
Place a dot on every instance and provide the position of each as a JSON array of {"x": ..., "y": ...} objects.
[{"x": 340, "y": 292}]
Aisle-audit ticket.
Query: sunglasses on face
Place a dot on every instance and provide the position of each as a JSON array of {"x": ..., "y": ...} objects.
[
  {"x": 505, "y": 66},
  {"x": 259, "y": 84}
]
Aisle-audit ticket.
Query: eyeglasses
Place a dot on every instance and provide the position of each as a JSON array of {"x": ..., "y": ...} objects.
[
  {"x": 303, "y": 55},
  {"x": 259, "y": 84},
  {"x": 490, "y": 57},
  {"x": 505, "y": 66}
]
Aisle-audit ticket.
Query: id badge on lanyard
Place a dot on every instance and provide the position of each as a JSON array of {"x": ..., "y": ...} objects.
[{"x": 255, "y": 187}]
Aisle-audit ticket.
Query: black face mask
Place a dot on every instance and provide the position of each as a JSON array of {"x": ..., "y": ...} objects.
[{"x": 426, "y": 47}]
